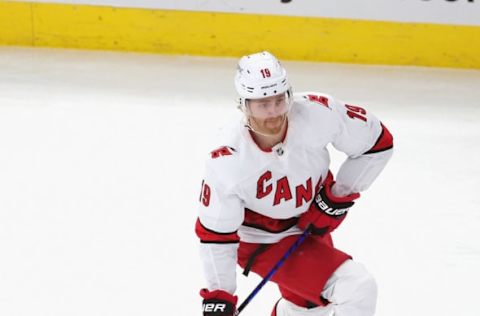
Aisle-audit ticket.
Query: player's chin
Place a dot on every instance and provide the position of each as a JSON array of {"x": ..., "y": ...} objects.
[
  {"x": 273, "y": 129},
  {"x": 274, "y": 122}
]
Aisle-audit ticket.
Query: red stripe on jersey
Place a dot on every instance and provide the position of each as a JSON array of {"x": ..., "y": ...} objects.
[
  {"x": 209, "y": 236},
  {"x": 274, "y": 312},
  {"x": 268, "y": 224},
  {"x": 384, "y": 141}
]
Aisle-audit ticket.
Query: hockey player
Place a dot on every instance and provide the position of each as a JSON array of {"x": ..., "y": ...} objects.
[{"x": 269, "y": 179}]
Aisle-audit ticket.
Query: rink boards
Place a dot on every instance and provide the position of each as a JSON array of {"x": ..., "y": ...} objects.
[{"x": 229, "y": 34}]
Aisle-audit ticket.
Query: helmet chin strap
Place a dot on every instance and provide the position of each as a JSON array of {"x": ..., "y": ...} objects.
[{"x": 249, "y": 126}]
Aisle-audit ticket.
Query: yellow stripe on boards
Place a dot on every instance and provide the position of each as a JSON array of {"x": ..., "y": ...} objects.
[
  {"x": 227, "y": 34},
  {"x": 15, "y": 23}
]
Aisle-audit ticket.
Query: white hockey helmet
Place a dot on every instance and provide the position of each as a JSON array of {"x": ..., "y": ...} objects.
[{"x": 260, "y": 75}]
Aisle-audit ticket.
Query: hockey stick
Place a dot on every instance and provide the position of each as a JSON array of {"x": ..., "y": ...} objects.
[{"x": 270, "y": 274}]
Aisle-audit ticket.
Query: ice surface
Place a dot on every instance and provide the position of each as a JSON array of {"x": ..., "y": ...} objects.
[{"x": 101, "y": 156}]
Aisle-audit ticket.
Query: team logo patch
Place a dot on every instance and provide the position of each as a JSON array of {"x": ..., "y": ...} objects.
[{"x": 222, "y": 151}]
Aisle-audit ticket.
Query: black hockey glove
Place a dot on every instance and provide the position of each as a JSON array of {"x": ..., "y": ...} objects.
[
  {"x": 327, "y": 211},
  {"x": 218, "y": 303}
]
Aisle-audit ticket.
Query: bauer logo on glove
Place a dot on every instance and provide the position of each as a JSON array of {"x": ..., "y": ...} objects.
[
  {"x": 218, "y": 303},
  {"x": 327, "y": 210},
  {"x": 214, "y": 307},
  {"x": 326, "y": 206}
]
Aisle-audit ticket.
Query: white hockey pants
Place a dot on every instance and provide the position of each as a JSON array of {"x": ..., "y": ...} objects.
[{"x": 351, "y": 290}]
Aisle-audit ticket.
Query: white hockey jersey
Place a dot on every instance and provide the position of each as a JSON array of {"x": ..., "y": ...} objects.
[{"x": 256, "y": 196}]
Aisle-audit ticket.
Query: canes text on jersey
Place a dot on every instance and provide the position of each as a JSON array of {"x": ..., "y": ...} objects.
[{"x": 282, "y": 189}]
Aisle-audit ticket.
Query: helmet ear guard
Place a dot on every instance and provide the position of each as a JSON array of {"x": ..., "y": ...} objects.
[{"x": 258, "y": 76}]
